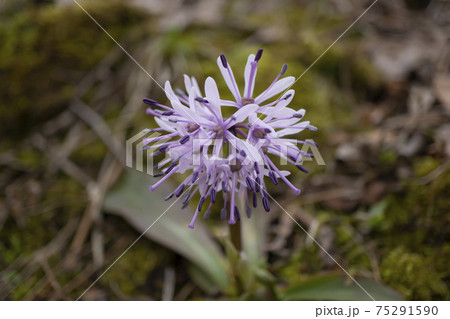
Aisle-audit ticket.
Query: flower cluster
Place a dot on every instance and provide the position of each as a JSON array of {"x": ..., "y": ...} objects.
[{"x": 227, "y": 154}]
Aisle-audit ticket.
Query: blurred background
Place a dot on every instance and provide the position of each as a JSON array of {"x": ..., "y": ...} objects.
[{"x": 70, "y": 98}]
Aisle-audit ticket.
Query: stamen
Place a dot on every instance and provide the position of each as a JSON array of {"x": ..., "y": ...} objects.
[
  {"x": 236, "y": 214},
  {"x": 257, "y": 184},
  {"x": 207, "y": 214},
  {"x": 194, "y": 177},
  {"x": 258, "y": 55},
  {"x": 162, "y": 180},
  {"x": 180, "y": 190},
  {"x": 150, "y": 102},
  {"x": 201, "y": 100},
  {"x": 151, "y": 130},
  {"x": 273, "y": 177},
  {"x": 200, "y": 203},
  {"x": 212, "y": 195},
  {"x": 224, "y": 61},
  {"x": 256, "y": 168},
  {"x": 224, "y": 186},
  {"x": 311, "y": 142},
  {"x": 249, "y": 183},
  {"x": 266, "y": 205},
  {"x": 302, "y": 168},
  {"x": 191, "y": 225},
  {"x": 184, "y": 139},
  {"x": 248, "y": 211},
  {"x": 171, "y": 167},
  {"x": 295, "y": 189},
  {"x": 283, "y": 69},
  {"x": 223, "y": 213},
  {"x": 163, "y": 149},
  {"x": 155, "y": 103},
  {"x": 186, "y": 197},
  {"x": 155, "y": 139}
]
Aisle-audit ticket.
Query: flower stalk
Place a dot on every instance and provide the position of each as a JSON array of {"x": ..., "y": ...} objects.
[{"x": 235, "y": 236}]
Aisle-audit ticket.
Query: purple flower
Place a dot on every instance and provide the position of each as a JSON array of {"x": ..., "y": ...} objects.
[{"x": 227, "y": 155}]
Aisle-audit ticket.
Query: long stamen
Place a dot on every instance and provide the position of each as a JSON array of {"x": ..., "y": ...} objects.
[
  {"x": 159, "y": 138},
  {"x": 162, "y": 180},
  {"x": 154, "y": 103},
  {"x": 191, "y": 225},
  {"x": 275, "y": 168}
]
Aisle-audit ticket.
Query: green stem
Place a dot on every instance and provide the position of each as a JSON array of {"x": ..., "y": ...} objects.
[{"x": 235, "y": 235}]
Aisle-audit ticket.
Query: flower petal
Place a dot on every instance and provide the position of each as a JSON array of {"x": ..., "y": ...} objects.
[
  {"x": 202, "y": 112},
  {"x": 196, "y": 86},
  {"x": 293, "y": 130},
  {"x": 177, "y": 105},
  {"x": 265, "y": 172},
  {"x": 212, "y": 95},
  {"x": 252, "y": 152},
  {"x": 248, "y": 68},
  {"x": 254, "y": 121},
  {"x": 277, "y": 88},
  {"x": 191, "y": 82},
  {"x": 242, "y": 114},
  {"x": 284, "y": 123},
  {"x": 279, "y": 110},
  {"x": 164, "y": 124},
  {"x": 187, "y": 83},
  {"x": 227, "y": 74}
]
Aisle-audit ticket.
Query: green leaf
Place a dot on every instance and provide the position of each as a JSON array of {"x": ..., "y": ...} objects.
[
  {"x": 254, "y": 232},
  {"x": 339, "y": 287},
  {"x": 133, "y": 201}
]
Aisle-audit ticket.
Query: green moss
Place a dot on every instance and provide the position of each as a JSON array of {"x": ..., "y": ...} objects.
[
  {"x": 301, "y": 264},
  {"x": 131, "y": 272},
  {"x": 90, "y": 154},
  {"x": 415, "y": 237},
  {"x": 46, "y": 51},
  {"x": 31, "y": 159},
  {"x": 415, "y": 275},
  {"x": 387, "y": 157},
  {"x": 425, "y": 165}
]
